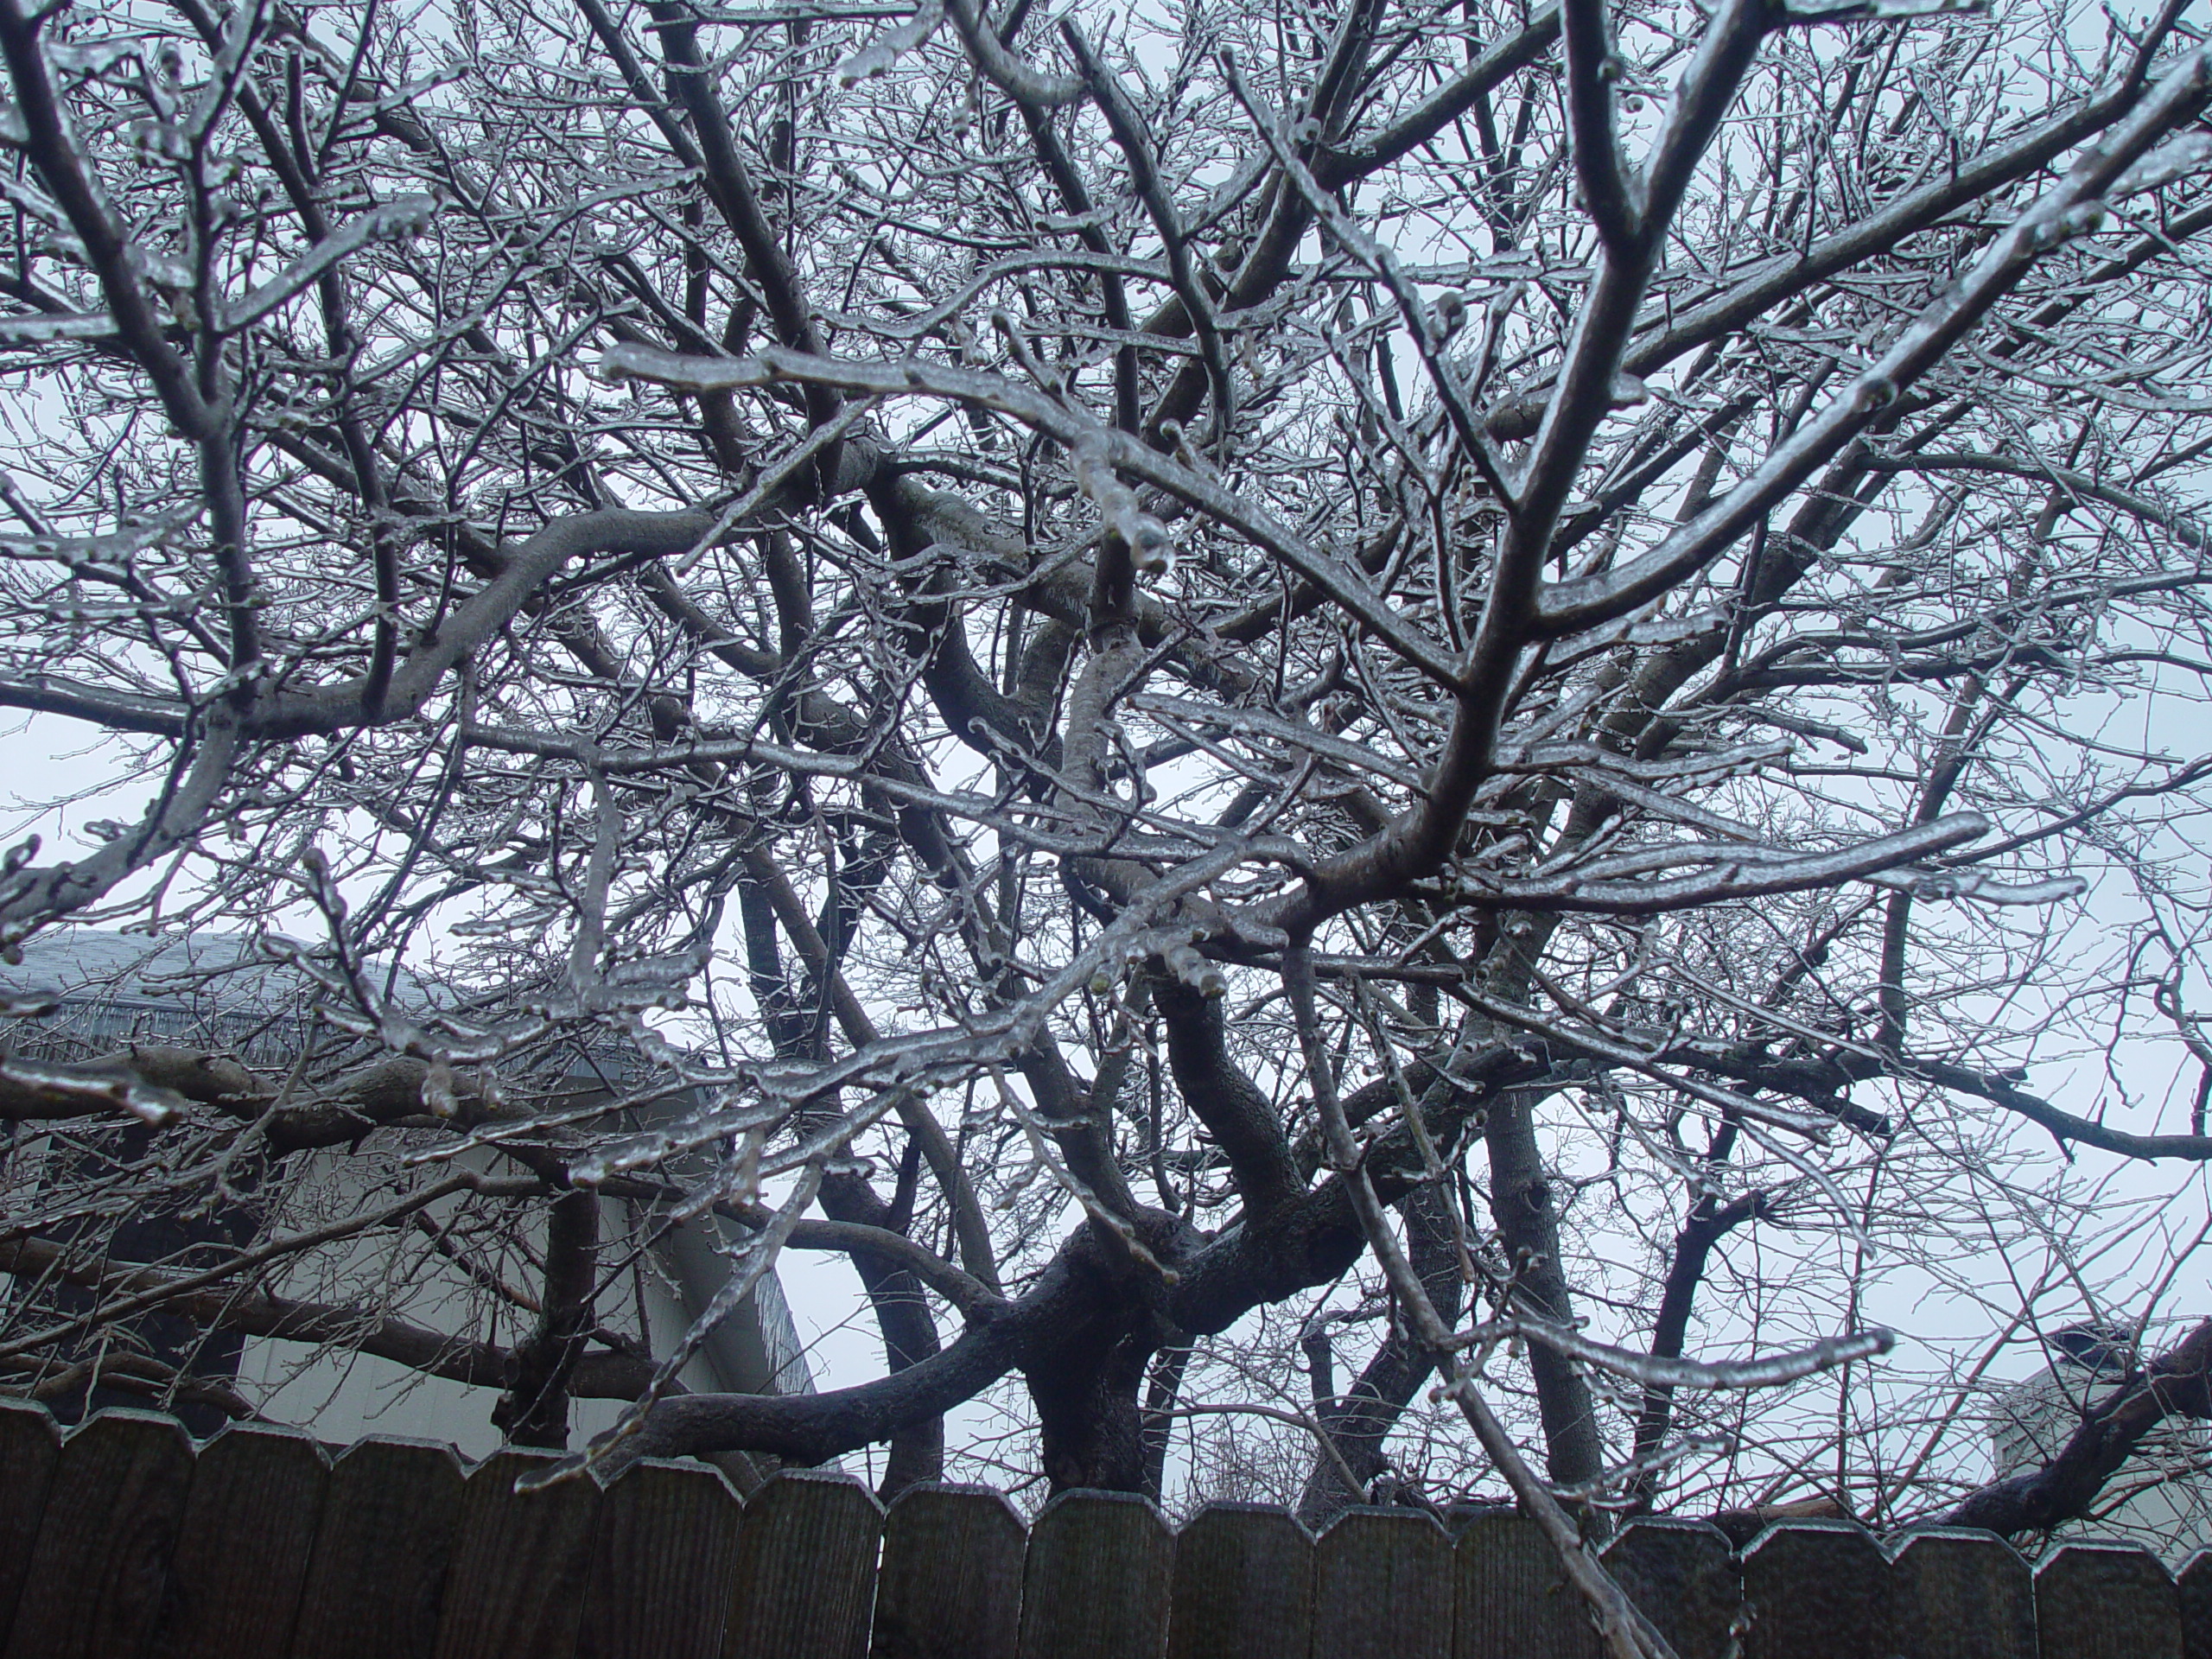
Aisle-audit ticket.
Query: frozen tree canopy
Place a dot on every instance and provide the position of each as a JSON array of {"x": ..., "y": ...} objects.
[{"x": 1266, "y": 704}]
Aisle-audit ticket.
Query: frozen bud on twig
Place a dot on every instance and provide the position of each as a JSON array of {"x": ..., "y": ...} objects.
[{"x": 1202, "y": 975}]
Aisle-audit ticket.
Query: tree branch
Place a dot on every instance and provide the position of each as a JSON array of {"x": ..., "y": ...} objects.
[{"x": 2176, "y": 1383}]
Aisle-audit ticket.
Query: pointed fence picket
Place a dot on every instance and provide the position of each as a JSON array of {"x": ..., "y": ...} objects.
[{"x": 123, "y": 1540}]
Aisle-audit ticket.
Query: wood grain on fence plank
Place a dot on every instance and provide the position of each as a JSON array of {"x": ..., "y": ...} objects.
[
  {"x": 1682, "y": 1574},
  {"x": 949, "y": 1584},
  {"x": 2194, "y": 1582},
  {"x": 661, "y": 1561},
  {"x": 2107, "y": 1601},
  {"x": 1243, "y": 1585},
  {"x": 94, "y": 1587},
  {"x": 1382, "y": 1588},
  {"x": 804, "y": 1575},
  {"x": 516, "y": 1589},
  {"x": 1096, "y": 1582},
  {"x": 1514, "y": 1600},
  {"x": 1962, "y": 1595},
  {"x": 30, "y": 1444},
  {"x": 241, "y": 1558},
  {"x": 378, "y": 1570},
  {"x": 1816, "y": 1589}
]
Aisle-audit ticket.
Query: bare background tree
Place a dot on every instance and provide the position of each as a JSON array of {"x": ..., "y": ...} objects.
[{"x": 1256, "y": 698}]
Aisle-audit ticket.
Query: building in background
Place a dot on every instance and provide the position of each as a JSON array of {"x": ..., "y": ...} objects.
[
  {"x": 2160, "y": 1498},
  {"x": 112, "y": 989}
]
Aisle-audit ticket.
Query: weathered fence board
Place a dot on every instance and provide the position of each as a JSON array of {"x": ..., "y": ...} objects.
[
  {"x": 1243, "y": 1585},
  {"x": 118, "y": 1539},
  {"x": 516, "y": 1586},
  {"x": 1816, "y": 1589},
  {"x": 2194, "y": 1582},
  {"x": 949, "y": 1584},
  {"x": 242, "y": 1553},
  {"x": 1515, "y": 1601},
  {"x": 30, "y": 1444},
  {"x": 660, "y": 1560},
  {"x": 1096, "y": 1582},
  {"x": 1681, "y": 1576},
  {"x": 94, "y": 1587},
  {"x": 378, "y": 1570},
  {"x": 1382, "y": 1588},
  {"x": 2107, "y": 1601},
  {"x": 804, "y": 1573},
  {"x": 1961, "y": 1595}
]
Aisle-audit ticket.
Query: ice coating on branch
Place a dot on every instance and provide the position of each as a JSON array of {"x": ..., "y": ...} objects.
[
  {"x": 1769, "y": 1372},
  {"x": 407, "y": 216},
  {"x": 1202, "y": 975},
  {"x": 625, "y": 361},
  {"x": 1151, "y": 544},
  {"x": 892, "y": 44},
  {"x": 93, "y": 1086}
]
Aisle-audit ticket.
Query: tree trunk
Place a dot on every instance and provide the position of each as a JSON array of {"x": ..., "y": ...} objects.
[
  {"x": 1165, "y": 1387},
  {"x": 902, "y": 1312},
  {"x": 1521, "y": 1203},
  {"x": 1358, "y": 1422},
  {"x": 1087, "y": 1413},
  {"x": 1086, "y": 1370},
  {"x": 535, "y": 1410}
]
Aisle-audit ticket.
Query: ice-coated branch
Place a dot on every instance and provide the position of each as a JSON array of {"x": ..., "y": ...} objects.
[
  {"x": 1608, "y": 191},
  {"x": 916, "y": 377},
  {"x": 1770, "y": 1371},
  {"x": 2075, "y": 203},
  {"x": 1740, "y": 871}
]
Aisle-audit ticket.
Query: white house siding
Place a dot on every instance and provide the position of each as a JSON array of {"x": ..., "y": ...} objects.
[
  {"x": 342, "y": 1396},
  {"x": 115, "y": 988}
]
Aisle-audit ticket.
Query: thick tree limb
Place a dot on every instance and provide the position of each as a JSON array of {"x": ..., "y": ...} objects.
[
  {"x": 2065, "y": 1127},
  {"x": 1227, "y": 1101},
  {"x": 2177, "y": 1383}
]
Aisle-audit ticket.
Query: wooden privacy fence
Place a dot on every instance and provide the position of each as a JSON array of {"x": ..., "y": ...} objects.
[{"x": 123, "y": 1541}]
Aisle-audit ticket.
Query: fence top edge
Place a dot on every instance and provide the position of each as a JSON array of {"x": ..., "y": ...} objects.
[
  {"x": 403, "y": 1442},
  {"x": 247, "y": 1429},
  {"x": 1233, "y": 1506},
  {"x": 32, "y": 1411},
  {"x": 534, "y": 1455},
  {"x": 799, "y": 1479},
  {"x": 2127, "y": 1547},
  {"x": 1895, "y": 1544},
  {"x": 1650, "y": 1523},
  {"x": 1077, "y": 1497},
  {"x": 696, "y": 1468},
  {"x": 129, "y": 1416},
  {"x": 923, "y": 1490},
  {"x": 1777, "y": 1532},
  {"x": 1357, "y": 1512}
]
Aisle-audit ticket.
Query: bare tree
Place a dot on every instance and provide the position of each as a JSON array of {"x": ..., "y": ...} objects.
[{"x": 1456, "y": 682}]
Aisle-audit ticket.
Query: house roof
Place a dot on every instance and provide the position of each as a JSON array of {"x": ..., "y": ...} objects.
[{"x": 210, "y": 972}]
